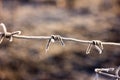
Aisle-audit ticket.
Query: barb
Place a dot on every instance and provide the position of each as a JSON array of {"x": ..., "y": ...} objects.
[
  {"x": 96, "y": 76},
  {"x": 8, "y": 35},
  {"x": 16, "y": 34},
  {"x": 117, "y": 72},
  {"x": 98, "y": 45},
  {"x": 105, "y": 71},
  {"x": 53, "y": 39}
]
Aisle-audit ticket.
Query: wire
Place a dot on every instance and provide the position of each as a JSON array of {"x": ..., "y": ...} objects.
[{"x": 16, "y": 34}]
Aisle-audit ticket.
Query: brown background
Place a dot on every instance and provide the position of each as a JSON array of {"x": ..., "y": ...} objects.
[{"x": 81, "y": 19}]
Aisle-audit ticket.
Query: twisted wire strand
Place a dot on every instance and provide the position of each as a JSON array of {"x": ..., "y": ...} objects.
[
  {"x": 117, "y": 72},
  {"x": 110, "y": 75},
  {"x": 97, "y": 43},
  {"x": 105, "y": 71},
  {"x": 64, "y": 38},
  {"x": 53, "y": 38}
]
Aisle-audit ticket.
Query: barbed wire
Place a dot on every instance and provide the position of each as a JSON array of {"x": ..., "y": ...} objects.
[
  {"x": 105, "y": 72},
  {"x": 53, "y": 38}
]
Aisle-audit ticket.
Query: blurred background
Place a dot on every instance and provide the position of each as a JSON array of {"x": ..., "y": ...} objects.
[{"x": 81, "y": 19}]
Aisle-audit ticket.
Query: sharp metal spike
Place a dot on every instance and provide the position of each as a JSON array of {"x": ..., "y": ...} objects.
[
  {"x": 89, "y": 48},
  {"x": 48, "y": 44}
]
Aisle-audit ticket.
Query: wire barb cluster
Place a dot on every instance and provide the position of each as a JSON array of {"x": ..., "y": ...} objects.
[
  {"x": 53, "y": 38},
  {"x": 8, "y": 35},
  {"x": 105, "y": 71},
  {"x": 98, "y": 45}
]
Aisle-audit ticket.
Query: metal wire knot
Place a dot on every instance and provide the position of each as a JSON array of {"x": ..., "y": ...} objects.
[
  {"x": 105, "y": 71},
  {"x": 53, "y": 39},
  {"x": 98, "y": 45},
  {"x": 98, "y": 70},
  {"x": 8, "y": 35},
  {"x": 117, "y": 73}
]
